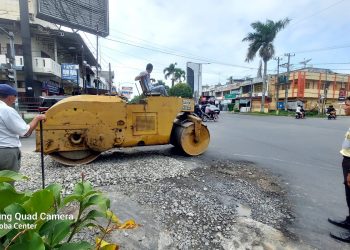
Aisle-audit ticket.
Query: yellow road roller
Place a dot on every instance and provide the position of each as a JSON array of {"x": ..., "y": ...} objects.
[{"x": 79, "y": 128}]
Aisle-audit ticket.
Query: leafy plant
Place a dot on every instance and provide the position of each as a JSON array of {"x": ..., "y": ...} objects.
[
  {"x": 230, "y": 106},
  {"x": 181, "y": 89},
  {"x": 137, "y": 98},
  {"x": 35, "y": 220}
]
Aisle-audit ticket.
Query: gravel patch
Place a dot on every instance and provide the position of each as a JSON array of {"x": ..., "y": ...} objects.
[{"x": 187, "y": 203}]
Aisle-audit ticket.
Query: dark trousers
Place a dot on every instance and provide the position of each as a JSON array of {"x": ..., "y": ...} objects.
[
  {"x": 346, "y": 170},
  {"x": 10, "y": 159}
]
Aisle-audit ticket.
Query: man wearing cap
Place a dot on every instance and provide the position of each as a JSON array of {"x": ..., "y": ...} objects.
[{"x": 11, "y": 127}]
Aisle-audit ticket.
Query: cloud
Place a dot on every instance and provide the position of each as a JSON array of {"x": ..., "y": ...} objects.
[{"x": 212, "y": 31}]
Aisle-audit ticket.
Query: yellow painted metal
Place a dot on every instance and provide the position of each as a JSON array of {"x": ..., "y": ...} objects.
[
  {"x": 197, "y": 126},
  {"x": 99, "y": 123},
  {"x": 185, "y": 136}
]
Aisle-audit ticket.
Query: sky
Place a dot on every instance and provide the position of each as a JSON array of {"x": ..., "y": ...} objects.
[{"x": 211, "y": 32}]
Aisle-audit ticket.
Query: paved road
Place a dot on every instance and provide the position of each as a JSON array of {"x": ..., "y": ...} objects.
[{"x": 304, "y": 153}]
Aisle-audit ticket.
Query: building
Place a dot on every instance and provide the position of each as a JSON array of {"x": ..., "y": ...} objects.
[
  {"x": 315, "y": 88},
  {"x": 245, "y": 94},
  {"x": 61, "y": 61}
]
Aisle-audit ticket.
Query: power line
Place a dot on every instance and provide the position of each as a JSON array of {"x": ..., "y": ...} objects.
[
  {"x": 323, "y": 49},
  {"x": 317, "y": 12},
  {"x": 157, "y": 46},
  {"x": 330, "y": 63},
  {"x": 180, "y": 55}
]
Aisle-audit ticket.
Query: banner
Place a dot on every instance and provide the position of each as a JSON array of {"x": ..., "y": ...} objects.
[
  {"x": 51, "y": 87},
  {"x": 127, "y": 89},
  {"x": 70, "y": 72}
]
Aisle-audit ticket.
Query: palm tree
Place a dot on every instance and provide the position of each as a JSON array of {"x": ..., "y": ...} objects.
[
  {"x": 179, "y": 74},
  {"x": 262, "y": 40},
  {"x": 169, "y": 71},
  {"x": 259, "y": 73}
]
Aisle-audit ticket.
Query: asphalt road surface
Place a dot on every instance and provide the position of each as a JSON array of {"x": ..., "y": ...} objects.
[{"x": 303, "y": 153}]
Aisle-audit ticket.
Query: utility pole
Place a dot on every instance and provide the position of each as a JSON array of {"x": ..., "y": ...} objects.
[
  {"x": 27, "y": 47},
  {"x": 287, "y": 83},
  {"x": 83, "y": 68},
  {"x": 110, "y": 79},
  {"x": 305, "y": 62},
  {"x": 325, "y": 92},
  {"x": 251, "y": 94},
  {"x": 11, "y": 68},
  {"x": 277, "y": 80},
  {"x": 97, "y": 79},
  {"x": 13, "y": 58}
]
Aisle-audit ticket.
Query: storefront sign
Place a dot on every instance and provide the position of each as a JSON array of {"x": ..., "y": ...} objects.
[
  {"x": 51, "y": 87},
  {"x": 70, "y": 72},
  {"x": 230, "y": 96},
  {"x": 127, "y": 91},
  {"x": 244, "y": 101}
]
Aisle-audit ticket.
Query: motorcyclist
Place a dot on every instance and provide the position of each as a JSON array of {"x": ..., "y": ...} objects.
[
  {"x": 198, "y": 111},
  {"x": 331, "y": 112},
  {"x": 207, "y": 109},
  {"x": 330, "y": 109},
  {"x": 300, "y": 111}
]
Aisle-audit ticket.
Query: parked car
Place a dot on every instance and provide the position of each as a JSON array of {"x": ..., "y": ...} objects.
[{"x": 47, "y": 102}]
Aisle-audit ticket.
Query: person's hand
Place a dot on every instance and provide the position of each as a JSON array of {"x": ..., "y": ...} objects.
[
  {"x": 348, "y": 180},
  {"x": 153, "y": 80},
  {"x": 41, "y": 117}
]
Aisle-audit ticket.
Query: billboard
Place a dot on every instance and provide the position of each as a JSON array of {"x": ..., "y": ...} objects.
[
  {"x": 194, "y": 79},
  {"x": 127, "y": 91},
  {"x": 87, "y": 15},
  {"x": 70, "y": 72}
]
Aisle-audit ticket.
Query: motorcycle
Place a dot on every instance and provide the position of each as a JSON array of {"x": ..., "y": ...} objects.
[
  {"x": 211, "y": 116},
  {"x": 300, "y": 115},
  {"x": 331, "y": 115},
  {"x": 206, "y": 116}
]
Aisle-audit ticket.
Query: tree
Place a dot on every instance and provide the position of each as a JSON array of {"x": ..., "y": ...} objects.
[
  {"x": 137, "y": 98},
  {"x": 160, "y": 82},
  {"x": 182, "y": 90},
  {"x": 169, "y": 71},
  {"x": 259, "y": 73},
  {"x": 179, "y": 74},
  {"x": 262, "y": 40}
]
